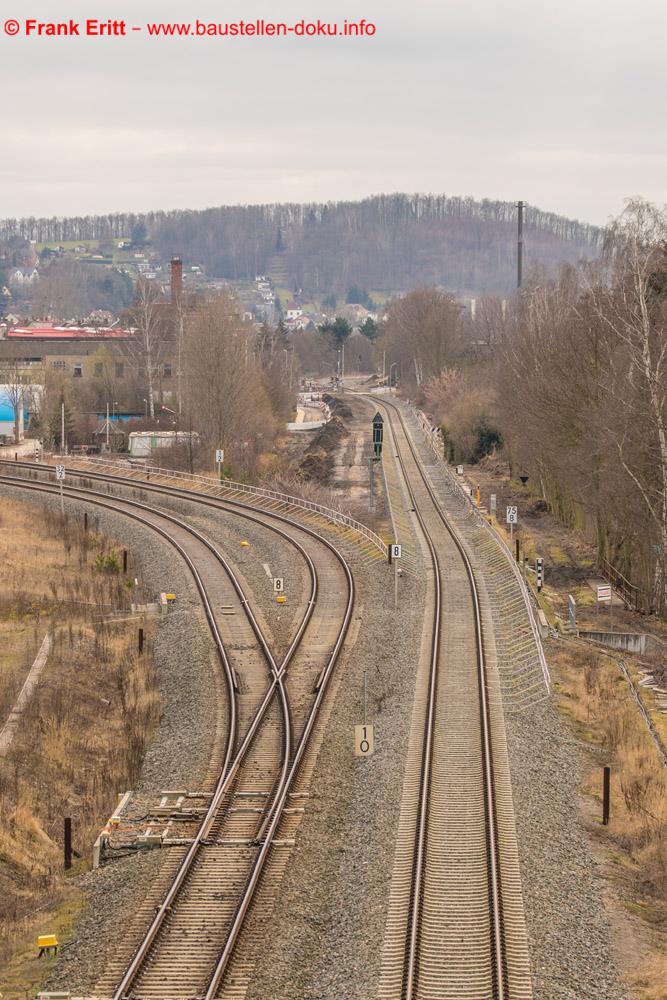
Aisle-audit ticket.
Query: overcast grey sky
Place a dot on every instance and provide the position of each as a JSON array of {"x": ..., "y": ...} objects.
[{"x": 562, "y": 104}]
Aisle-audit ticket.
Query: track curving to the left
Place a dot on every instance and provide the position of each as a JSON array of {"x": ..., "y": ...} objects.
[{"x": 187, "y": 948}]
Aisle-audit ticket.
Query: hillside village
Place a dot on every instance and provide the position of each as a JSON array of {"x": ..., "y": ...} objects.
[{"x": 71, "y": 329}]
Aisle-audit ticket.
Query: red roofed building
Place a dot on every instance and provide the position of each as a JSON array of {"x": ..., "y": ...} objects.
[{"x": 67, "y": 333}]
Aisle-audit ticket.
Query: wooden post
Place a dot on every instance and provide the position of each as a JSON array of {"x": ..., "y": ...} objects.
[
  {"x": 124, "y": 560},
  {"x": 85, "y": 520},
  {"x": 606, "y": 788},
  {"x": 68, "y": 843},
  {"x": 518, "y": 559},
  {"x": 141, "y": 641}
]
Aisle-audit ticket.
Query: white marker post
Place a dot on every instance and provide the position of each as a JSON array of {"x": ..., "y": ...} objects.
[
  {"x": 219, "y": 459},
  {"x": 604, "y": 597},
  {"x": 60, "y": 476},
  {"x": 364, "y": 736},
  {"x": 396, "y": 552},
  {"x": 512, "y": 517}
]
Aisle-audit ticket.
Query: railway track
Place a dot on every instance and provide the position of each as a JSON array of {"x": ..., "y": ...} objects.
[
  {"x": 249, "y": 826},
  {"x": 455, "y": 927}
]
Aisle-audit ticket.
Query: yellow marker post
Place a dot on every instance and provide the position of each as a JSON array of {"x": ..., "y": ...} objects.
[
  {"x": 281, "y": 599},
  {"x": 478, "y": 496},
  {"x": 245, "y": 545}
]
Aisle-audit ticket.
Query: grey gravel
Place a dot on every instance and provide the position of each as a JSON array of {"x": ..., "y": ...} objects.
[
  {"x": 328, "y": 924},
  {"x": 178, "y": 754},
  {"x": 569, "y": 933}
]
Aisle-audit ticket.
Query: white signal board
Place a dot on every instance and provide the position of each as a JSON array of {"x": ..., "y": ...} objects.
[{"x": 364, "y": 740}]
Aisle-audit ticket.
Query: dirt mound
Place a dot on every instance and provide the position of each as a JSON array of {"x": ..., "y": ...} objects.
[
  {"x": 338, "y": 407},
  {"x": 318, "y": 462}
]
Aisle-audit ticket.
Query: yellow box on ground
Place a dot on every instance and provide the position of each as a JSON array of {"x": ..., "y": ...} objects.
[{"x": 47, "y": 941}]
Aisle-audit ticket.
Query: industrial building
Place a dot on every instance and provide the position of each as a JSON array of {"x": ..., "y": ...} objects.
[{"x": 8, "y": 417}]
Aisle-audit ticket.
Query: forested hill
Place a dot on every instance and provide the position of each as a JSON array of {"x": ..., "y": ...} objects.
[{"x": 384, "y": 243}]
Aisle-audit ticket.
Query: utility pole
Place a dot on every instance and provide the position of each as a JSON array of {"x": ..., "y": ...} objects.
[
  {"x": 519, "y": 257},
  {"x": 107, "y": 426}
]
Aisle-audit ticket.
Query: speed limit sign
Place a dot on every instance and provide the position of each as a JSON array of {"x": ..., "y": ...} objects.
[
  {"x": 60, "y": 472},
  {"x": 278, "y": 585}
]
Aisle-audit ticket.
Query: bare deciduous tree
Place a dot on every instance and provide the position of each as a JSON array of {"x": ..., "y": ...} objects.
[
  {"x": 145, "y": 348},
  {"x": 17, "y": 383}
]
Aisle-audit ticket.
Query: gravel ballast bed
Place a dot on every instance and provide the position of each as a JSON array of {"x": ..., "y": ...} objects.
[
  {"x": 327, "y": 928},
  {"x": 569, "y": 934},
  {"x": 328, "y": 925}
]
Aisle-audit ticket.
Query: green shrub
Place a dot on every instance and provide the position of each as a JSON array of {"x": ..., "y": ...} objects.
[{"x": 107, "y": 562}]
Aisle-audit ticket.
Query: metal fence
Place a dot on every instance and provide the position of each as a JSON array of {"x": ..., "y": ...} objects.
[
  {"x": 228, "y": 486},
  {"x": 434, "y": 440}
]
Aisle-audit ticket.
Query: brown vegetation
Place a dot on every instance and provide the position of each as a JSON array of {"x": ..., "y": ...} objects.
[
  {"x": 582, "y": 390},
  {"x": 395, "y": 241},
  {"x": 82, "y": 735},
  {"x": 596, "y": 698}
]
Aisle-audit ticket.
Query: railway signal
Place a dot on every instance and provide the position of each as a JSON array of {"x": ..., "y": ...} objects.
[{"x": 378, "y": 433}]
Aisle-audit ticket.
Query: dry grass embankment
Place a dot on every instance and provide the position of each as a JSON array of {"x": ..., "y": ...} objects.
[
  {"x": 82, "y": 737},
  {"x": 633, "y": 847}
]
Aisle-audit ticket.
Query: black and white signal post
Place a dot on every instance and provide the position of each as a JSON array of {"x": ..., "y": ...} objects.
[
  {"x": 60, "y": 476},
  {"x": 395, "y": 553}
]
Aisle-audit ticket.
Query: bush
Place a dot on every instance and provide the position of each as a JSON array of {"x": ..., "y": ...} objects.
[
  {"x": 488, "y": 438},
  {"x": 107, "y": 562}
]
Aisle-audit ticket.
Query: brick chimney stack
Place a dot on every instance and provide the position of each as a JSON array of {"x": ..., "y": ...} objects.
[{"x": 176, "y": 280}]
